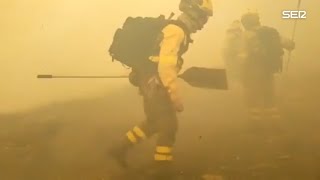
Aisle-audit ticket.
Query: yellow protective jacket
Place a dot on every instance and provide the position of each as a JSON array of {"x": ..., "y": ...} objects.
[{"x": 168, "y": 69}]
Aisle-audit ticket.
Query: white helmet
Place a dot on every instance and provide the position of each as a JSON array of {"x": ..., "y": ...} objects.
[
  {"x": 198, "y": 11},
  {"x": 200, "y": 7},
  {"x": 250, "y": 20}
]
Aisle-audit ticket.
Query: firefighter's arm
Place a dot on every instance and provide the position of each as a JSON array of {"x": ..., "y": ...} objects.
[
  {"x": 233, "y": 37},
  {"x": 242, "y": 53},
  {"x": 173, "y": 36},
  {"x": 287, "y": 44}
]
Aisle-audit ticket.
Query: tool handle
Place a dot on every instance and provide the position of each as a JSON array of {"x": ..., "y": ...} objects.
[{"x": 44, "y": 76}]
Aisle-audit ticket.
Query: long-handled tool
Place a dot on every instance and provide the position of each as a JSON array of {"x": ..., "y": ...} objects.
[
  {"x": 207, "y": 78},
  {"x": 293, "y": 35}
]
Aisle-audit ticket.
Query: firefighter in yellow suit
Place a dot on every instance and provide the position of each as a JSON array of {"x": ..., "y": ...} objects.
[{"x": 160, "y": 92}]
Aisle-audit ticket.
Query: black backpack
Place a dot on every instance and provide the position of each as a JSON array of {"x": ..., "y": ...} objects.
[
  {"x": 137, "y": 40},
  {"x": 270, "y": 41},
  {"x": 270, "y": 47}
]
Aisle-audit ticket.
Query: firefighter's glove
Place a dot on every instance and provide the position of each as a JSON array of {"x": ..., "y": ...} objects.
[
  {"x": 288, "y": 44},
  {"x": 291, "y": 46},
  {"x": 176, "y": 102}
]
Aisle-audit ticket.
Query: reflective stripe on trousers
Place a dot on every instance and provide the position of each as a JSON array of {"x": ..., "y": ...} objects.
[
  {"x": 272, "y": 113},
  {"x": 255, "y": 113},
  {"x": 163, "y": 153},
  {"x": 258, "y": 113},
  {"x": 135, "y": 135}
]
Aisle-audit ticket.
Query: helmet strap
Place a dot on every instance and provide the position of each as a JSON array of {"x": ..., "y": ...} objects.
[{"x": 189, "y": 22}]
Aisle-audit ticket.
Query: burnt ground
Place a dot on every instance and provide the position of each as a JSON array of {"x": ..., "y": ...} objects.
[{"x": 70, "y": 140}]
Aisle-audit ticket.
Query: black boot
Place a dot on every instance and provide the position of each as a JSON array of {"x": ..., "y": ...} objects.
[
  {"x": 119, "y": 153},
  {"x": 160, "y": 171}
]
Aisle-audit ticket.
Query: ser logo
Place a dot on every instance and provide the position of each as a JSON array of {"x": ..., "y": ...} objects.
[{"x": 294, "y": 14}]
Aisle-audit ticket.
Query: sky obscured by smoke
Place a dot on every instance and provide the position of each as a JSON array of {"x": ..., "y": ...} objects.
[{"x": 69, "y": 37}]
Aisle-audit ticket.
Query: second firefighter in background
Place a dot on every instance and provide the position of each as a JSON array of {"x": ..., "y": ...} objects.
[{"x": 254, "y": 53}]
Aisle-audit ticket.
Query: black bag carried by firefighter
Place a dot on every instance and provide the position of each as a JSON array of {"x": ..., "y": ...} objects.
[
  {"x": 270, "y": 47},
  {"x": 137, "y": 40}
]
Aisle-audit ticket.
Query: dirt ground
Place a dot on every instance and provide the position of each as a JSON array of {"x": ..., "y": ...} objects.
[{"x": 70, "y": 140}]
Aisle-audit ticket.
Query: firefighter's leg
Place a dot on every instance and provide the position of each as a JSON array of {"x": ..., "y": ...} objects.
[
  {"x": 163, "y": 157},
  {"x": 166, "y": 139},
  {"x": 134, "y": 136},
  {"x": 272, "y": 113},
  {"x": 254, "y": 104},
  {"x": 253, "y": 97},
  {"x": 255, "y": 111},
  {"x": 270, "y": 108}
]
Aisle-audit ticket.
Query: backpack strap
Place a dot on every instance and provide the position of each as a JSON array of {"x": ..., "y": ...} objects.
[
  {"x": 184, "y": 46},
  {"x": 184, "y": 28}
]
